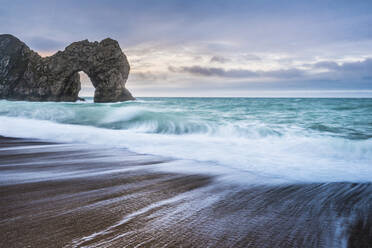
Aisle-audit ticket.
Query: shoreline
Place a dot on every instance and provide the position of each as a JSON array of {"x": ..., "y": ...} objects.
[{"x": 67, "y": 195}]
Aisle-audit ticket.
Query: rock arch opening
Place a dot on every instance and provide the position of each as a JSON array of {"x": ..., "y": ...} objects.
[{"x": 86, "y": 86}]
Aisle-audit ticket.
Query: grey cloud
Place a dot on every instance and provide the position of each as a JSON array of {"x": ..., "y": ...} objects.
[
  {"x": 330, "y": 65},
  {"x": 359, "y": 66},
  {"x": 350, "y": 70},
  {"x": 148, "y": 76},
  {"x": 198, "y": 58},
  {"x": 237, "y": 73},
  {"x": 288, "y": 73},
  {"x": 198, "y": 70},
  {"x": 219, "y": 59},
  {"x": 369, "y": 78}
]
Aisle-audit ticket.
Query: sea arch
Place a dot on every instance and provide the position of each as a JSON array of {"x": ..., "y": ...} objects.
[{"x": 28, "y": 76}]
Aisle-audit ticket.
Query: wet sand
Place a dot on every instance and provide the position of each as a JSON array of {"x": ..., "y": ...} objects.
[{"x": 63, "y": 195}]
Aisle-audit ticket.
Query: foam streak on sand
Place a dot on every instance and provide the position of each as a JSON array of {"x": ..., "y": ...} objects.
[{"x": 115, "y": 203}]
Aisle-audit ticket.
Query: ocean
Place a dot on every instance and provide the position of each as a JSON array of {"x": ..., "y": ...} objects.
[
  {"x": 267, "y": 172},
  {"x": 278, "y": 139}
]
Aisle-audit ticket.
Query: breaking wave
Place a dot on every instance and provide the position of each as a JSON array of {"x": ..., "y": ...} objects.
[{"x": 304, "y": 140}]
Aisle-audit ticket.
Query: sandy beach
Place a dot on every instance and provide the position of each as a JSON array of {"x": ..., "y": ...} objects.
[{"x": 62, "y": 195}]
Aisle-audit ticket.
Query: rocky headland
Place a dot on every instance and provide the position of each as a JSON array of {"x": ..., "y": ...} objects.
[{"x": 25, "y": 75}]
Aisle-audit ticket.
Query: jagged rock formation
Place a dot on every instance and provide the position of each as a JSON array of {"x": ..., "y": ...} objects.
[{"x": 25, "y": 75}]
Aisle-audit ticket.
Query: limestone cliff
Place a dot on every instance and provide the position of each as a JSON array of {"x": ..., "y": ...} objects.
[{"x": 25, "y": 75}]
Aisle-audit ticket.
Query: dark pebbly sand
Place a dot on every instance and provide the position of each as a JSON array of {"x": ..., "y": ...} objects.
[{"x": 63, "y": 195}]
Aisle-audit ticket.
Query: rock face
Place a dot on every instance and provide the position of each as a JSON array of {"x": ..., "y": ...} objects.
[{"x": 25, "y": 75}]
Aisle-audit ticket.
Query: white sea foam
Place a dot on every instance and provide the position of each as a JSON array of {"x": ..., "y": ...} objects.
[{"x": 288, "y": 157}]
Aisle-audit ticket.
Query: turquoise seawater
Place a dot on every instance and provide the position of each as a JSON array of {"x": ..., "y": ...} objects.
[{"x": 302, "y": 139}]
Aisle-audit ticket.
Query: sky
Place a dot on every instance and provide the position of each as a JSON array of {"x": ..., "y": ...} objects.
[{"x": 213, "y": 48}]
